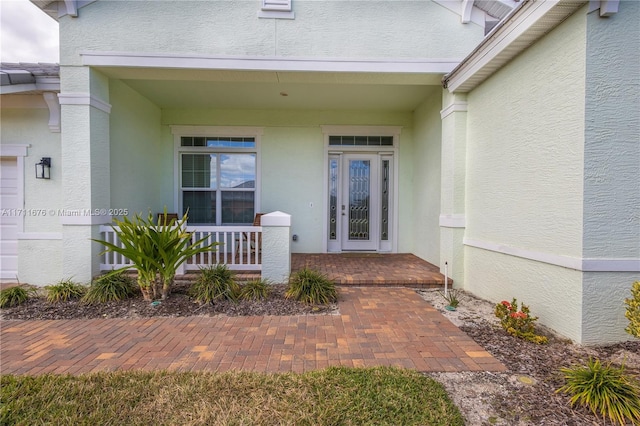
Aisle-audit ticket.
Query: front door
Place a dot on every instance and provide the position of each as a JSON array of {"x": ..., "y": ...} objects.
[{"x": 359, "y": 202}]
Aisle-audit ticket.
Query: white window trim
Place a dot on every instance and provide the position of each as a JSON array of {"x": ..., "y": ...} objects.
[
  {"x": 220, "y": 131},
  {"x": 341, "y": 130}
]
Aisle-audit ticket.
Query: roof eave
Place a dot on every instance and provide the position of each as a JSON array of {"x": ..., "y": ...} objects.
[{"x": 527, "y": 23}]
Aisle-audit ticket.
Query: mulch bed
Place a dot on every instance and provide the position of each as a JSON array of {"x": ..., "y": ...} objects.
[{"x": 179, "y": 304}]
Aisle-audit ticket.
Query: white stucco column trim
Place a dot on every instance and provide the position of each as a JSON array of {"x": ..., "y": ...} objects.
[
  {"x": 276, "y": 247},
  {"x": 456, "y": 106},
  {"x": 577, "y": 263},
  {"x": 452, "y": 220},
  {"x": 39, "y": 235},
  {"x": 84, "y": 99},
  {"x": 54, "y": 110}
]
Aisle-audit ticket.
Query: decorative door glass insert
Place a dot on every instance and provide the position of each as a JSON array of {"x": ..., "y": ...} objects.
[
  {"x": 384, "y": 225},
  {"x": 333, "y": 198},
  {"x": 359, "y": 198}
]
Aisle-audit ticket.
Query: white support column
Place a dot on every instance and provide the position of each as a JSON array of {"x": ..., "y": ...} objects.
[
  {"x": 452, "y": 199},
  {"x": 276, "y": 247},
  {"x": 86, "y": 175}
]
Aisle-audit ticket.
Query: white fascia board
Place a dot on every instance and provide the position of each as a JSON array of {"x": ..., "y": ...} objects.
[
  {"x": 17, "y": 88},
  {"x": 515, "y": 26},
  {"x": 263, "y": 63}
]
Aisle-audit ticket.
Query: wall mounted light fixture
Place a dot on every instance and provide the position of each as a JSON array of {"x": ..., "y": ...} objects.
[{"x": 43, "y": 168}]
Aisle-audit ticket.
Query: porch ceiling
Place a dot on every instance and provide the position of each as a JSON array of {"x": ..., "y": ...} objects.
[{"x": 222, "y": 89}]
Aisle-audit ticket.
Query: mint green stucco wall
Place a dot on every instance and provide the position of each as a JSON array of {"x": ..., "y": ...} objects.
[
  {"x": 29, "y": 126},
  {"x": 425, "y": 178},
  {"x": 292, "y": 150},
  {"x": 349, "y": 29},
  {"x": 525, "y": 141},
  {"x": 612, "y": 167},
  {"x": 141, "y": 163}
]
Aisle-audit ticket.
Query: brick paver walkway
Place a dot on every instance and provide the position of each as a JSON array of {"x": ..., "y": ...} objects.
[
  {"x": 372, "y": 269},
  {"x": 376, "y": 326}
]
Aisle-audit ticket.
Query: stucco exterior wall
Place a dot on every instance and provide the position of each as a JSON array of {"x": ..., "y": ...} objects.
[
  {"x": 292, "y": 150},
  {"x": 24, "y": 121},
  {"x": 525, "y": 140},
  {"x": 29, "y": 126},
  {"x": 612, "y": 135},
  {"x": 353, "y": 29},
  {"x": 137, "y": 148},
  {"x": 612, "y": 168},
  {"x": 425, "y": 182}
]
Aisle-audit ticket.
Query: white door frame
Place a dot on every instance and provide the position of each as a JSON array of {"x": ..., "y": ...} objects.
[
  {"x": 19, "y": 152},
  {"x": 382, "y": 152},
  {"x": 373, "y": 241}
]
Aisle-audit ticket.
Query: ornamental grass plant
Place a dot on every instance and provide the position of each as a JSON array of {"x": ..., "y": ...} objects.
[
  {"x": 14, "y": 296},
  {"x": 64, "y": 290},
  {"x": 606, "y": 390},
  {"x": 215, "y": 283},
  {"x": 311, "y": 287},
  {"x": 257, "y": 289},
  {"x": 110, "y": 287}
]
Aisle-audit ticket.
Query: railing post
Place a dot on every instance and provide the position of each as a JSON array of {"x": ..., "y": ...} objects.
[{"x": 276, "y": 247}]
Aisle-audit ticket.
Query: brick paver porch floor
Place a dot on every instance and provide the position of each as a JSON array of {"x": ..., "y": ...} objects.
[
  {"x": 372, "y": 269},
  {"x": 376, "y": 326}
]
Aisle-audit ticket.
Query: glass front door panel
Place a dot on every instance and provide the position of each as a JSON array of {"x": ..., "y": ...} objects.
[{"x": 359, "y": 199}]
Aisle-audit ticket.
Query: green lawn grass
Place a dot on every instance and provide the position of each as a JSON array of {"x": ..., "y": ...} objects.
[{"x": 334, "y": 396}]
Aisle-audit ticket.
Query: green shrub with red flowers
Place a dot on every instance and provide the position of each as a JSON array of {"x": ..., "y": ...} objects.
[{"x": 518, "y": 323}]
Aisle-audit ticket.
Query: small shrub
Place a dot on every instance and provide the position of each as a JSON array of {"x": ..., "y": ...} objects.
[
  {"x": 255, "y": 290},
  {"x": 518, "y": 323},
  {"x": 215, "y": 283},
  {"x": 309, "y": 286},
  {"x": 64, "y": 290},
  {"x": 15, "y": 296},
  {"x": 633, "y": 310},
  {"x": 110, "y": 287},
  {"x": 604, "y": 389},
  {"x": 452, "y": 297}
]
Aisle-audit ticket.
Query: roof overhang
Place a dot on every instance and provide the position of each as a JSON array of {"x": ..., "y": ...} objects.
[
  {"x": 15, "y": 79},
  {"x": 526, "y": 24},
  {"x": 59, "y": 8}
]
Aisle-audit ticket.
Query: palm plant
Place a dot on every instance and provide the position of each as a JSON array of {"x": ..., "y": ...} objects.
[{"x": 155, "y": 251}]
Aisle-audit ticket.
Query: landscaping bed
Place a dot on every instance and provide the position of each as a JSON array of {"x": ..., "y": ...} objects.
[{"x": 179, "y": 304}]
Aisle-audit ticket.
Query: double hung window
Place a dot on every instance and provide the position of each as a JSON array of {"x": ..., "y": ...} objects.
[{"x": 218, "y": 179}]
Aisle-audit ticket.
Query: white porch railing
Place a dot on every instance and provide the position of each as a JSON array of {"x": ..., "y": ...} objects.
[{"x": 239, "y": 248}]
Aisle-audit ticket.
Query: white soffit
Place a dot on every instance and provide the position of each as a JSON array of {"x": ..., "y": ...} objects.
[
  {"x": 261, "y": 63},
  {"x": 527, "y": 23}
]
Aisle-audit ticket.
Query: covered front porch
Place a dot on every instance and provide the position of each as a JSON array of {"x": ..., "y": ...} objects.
[
  {"x": 372, "y": 269},
  {"x": 360, "y": 270}
]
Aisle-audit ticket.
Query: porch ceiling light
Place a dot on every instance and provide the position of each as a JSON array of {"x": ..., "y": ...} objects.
[{"x": 43, "y": 168}]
